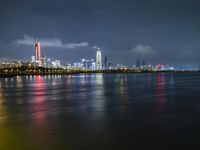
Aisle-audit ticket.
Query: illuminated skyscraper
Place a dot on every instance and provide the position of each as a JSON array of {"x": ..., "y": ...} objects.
[
  {"x": 98, "y": 60},
  {"x": 38, "y": 52}
]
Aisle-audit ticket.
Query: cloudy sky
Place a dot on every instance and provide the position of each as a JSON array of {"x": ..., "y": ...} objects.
[{"x": 157, "y": 31}]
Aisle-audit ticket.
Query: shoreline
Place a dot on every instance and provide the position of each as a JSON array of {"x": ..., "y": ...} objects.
[{"x": 5, "y": 75}]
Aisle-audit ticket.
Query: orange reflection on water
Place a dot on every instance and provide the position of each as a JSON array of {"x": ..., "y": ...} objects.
[
  {"x": 19, "y": 83},
  {"x": 123, "y": 87}
]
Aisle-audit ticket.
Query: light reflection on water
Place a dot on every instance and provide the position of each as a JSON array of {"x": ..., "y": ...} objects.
[
  {"x": 160, "y": 89},
  {"x": 97, "y": 111},
  {"x": 39, "y": 104},
  {"x": 2, "y": 111}
]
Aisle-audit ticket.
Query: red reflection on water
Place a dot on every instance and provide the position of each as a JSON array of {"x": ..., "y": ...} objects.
[
  {"x": 39, "y": 129},
  {"x": 160, "y": 89},
  {"x": 39, "y": 89},
  {"x": 39, "y": 105}
]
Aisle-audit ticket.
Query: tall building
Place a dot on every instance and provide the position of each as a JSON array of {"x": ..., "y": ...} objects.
[
  {"x": 138, "y": 64},
  {"x": 33, "y": 59},
  {"x": 38, "y": 52},
  {"x": 68, "y": 65},
  {"x": 77, "y": 65},
  {"x": 98, "y": 60},
  {"x": 49, "y": 64},
  {"x": 92, "y": 64},
  {"x": 110, "y": 65},
  {"x": 85, "y": 63},
  {"x": 105, "y": 65},
  {"x": 44, "y": 61},
  {"x": 56, "y": 63},
  {"x": 143, "y": 63}
]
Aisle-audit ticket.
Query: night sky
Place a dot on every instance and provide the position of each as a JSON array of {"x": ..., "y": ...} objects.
[{"x": 157, "y": 31}]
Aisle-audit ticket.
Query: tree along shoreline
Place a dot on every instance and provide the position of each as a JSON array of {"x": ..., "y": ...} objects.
[{"x": 10, "y": 72}]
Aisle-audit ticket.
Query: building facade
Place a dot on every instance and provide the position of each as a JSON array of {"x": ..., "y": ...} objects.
[
  {"x": 38, "y": 52},
  {"x": 98, "y": 60}
]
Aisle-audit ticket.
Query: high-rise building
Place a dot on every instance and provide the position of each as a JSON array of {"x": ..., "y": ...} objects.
[
  {"x": 138, "y": 64},
  {"x": 68, "y": 65},
  {"x": 33, "y": 59},
  {"x": 38, "y": 52},
  {"x": 105, "y": 65},
  {"x": 93, "y": 65},
  {"x": 86, "y": 64},
  {"x": 56, "y": 63},
  {"x": 98, "y": 60},
  {"x": 44, "y": 61},
  {"x": 110, "y": 65},
  {"x": 77, "y": 65},
  {"x": 143, "y": 63},
  {"x": 49, "y": 64}
]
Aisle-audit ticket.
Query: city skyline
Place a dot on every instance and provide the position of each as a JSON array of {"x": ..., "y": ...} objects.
[
  {"x": 99, "y": 74},
  {"x": 157, "y": 32},
  {"x": 100, "y": 63}
]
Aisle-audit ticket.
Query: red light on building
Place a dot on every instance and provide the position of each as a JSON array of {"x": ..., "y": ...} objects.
[
  {"x": 38, "y": 52},
  {"x": 160, "y": 67}
]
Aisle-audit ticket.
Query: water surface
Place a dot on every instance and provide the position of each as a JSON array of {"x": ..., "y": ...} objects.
[{"x": 100, "y": 111}]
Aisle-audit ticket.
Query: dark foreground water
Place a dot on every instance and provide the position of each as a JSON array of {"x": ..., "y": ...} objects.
[{"x": 100, "y": 112}]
